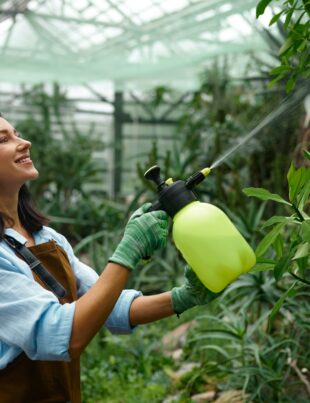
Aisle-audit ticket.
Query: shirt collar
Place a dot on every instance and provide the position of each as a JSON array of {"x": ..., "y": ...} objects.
[{"x": 16, "y": 235}]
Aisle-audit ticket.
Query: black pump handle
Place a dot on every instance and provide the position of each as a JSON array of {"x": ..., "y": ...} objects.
[{"x": 155, "y": 206}]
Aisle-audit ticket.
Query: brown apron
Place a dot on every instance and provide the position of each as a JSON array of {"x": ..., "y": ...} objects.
[{"x": 28, "y": 381}]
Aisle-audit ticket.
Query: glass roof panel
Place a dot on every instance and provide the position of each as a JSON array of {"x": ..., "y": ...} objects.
[{"x": 125, "y": 41}]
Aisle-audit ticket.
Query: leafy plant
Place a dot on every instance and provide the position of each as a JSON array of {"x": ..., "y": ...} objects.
[
  {"x": 295, "y": 51},
  {"x": 236, "y": 352},
  {"x": 289, "y": 237}
]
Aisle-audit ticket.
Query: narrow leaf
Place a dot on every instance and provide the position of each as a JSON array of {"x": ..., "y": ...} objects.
[
  {"x": 302, "y": 251},
  {"x": 217, "y": 334},
  {"x": 286, "y": 46},
  {"x": 275, "y": 80},
  {"x": 297, "y": 178},
  {"x": 215, "y": 348},
  {"x": 290, "y": 84},
  {"x": 277, "y": 219},
  {"x": 303, "y": 197},
  {"x": 278, "y": 305},
  {"x": 305, "y": 230},
  {"x": 288, "y": 18},
  {"x": 275, "y": 18},
  {"x": 302, "y": 46},
  {"x": 262, "y": 267},
  {"x": 278, "y": 245},
  {"x": 268, "y": 240},
  {"x": 282, "y": 266},
  {"x": 261, "y": 7},
  {"x": 307, "y": 154},
  {"x": 280, "y": 69},
  {"x": 264, "y": 194}
]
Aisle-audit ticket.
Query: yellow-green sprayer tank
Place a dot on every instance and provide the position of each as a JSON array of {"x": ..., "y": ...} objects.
[{"x": 211, "y": 245}]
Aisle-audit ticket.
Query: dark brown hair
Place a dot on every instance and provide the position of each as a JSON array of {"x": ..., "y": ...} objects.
[{"x": 31, "y": 219}]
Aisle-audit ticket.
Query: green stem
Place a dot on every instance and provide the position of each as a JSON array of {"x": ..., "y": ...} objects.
[
  {"x": 300, "y": 279},
  {"x": 298, "y": 212}
]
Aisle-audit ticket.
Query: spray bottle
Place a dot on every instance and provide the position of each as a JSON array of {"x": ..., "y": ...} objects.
[{"x": 205, "y": 236}]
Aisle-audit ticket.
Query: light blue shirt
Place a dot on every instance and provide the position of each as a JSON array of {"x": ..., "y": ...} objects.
[{"x": 31, "y": 318}]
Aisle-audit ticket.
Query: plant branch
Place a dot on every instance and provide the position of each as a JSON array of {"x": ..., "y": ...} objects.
[
  {"x": 301, "y": 376},
  {"x": 298, "y": 212},
  {"x": 299, "y": 278}
]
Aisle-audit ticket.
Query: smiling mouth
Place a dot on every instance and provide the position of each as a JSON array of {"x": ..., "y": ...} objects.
[{"x": 23, "y": 160}]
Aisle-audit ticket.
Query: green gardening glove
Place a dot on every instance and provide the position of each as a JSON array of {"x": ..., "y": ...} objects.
[
  {"x": 192, "y": 293},
  {"x": 144, "y": 233}
]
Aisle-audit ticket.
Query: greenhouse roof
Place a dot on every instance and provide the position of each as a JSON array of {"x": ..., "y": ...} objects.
[{"x": 127, "y": 41}]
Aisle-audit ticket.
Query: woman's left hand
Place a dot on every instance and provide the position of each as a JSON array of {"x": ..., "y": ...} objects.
[{"x": 192, "y": 293}]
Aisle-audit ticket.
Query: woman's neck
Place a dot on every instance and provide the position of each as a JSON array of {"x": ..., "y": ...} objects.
[{"x": 9, "y": 208}]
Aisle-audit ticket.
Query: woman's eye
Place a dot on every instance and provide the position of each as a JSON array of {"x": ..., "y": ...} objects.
[{"x": 3, "y": 139}]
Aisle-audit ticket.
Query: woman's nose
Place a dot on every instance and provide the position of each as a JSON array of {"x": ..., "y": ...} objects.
[{"x": 23, "y": 144}]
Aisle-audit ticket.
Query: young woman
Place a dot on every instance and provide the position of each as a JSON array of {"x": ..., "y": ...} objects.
[{"x": 51, "y": 304}]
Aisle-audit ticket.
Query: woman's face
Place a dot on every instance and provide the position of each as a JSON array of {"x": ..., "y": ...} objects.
[{"x": 16, "y": 166}]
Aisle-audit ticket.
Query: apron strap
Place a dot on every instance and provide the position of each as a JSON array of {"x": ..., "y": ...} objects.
[{"x": 37, "y": 267}]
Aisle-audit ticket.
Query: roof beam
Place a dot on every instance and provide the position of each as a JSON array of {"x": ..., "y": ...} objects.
[
  {"x": 73, "y": 20},
  {"x": 173, "y": 37},
  {"x": 176, "y": 31}
]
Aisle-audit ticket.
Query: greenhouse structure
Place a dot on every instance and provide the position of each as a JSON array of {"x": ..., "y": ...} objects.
[{"x": 106, "y": 89}]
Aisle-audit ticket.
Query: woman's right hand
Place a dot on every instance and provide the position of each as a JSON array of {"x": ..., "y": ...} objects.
[{"x": 144, "y": 233}]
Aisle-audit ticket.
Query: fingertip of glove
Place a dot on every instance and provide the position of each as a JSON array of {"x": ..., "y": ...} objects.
[
  {"x": 161, "y": 214},
  {"x": 145, "y": 207}
]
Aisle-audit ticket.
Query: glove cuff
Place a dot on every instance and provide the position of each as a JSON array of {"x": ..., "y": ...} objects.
[
  {"x": 125, "y": 256},
  {"x": 181, "y": 301}
]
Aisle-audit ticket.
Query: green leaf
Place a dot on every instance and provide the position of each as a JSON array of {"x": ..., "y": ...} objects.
[
  {"x": 275, "y": 18},
  {"x": 297, "y": 180},
  {"x": 262, "y": 267},
  {"x": 268, "y": 240},
  {"x": 286, "y": 46},
  {"x": 303, "y": 197},
  {"x": 277, "y": 219},
  {"x": 278, "y": 245},
  {"x": 217, "y": 334},
  {"x": 302, "y": 251},
  {"x": 288, "y": 18},
  {"x": 264, "y": 194},
  {"x": 290, "y": 84},
  {"x": 215, "y": 348},
  {"x": 278, "y": 305},
  {"x": 261, "y": 7},
  {"x": 307, "y": 154},
  {"x": 282, "y": 266},
  {"x": 302, "y": 46},
  {"x": 305, "y": 230},
  {"x": 275, "y": 80},
  {"x": 280, "y": 69}
]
